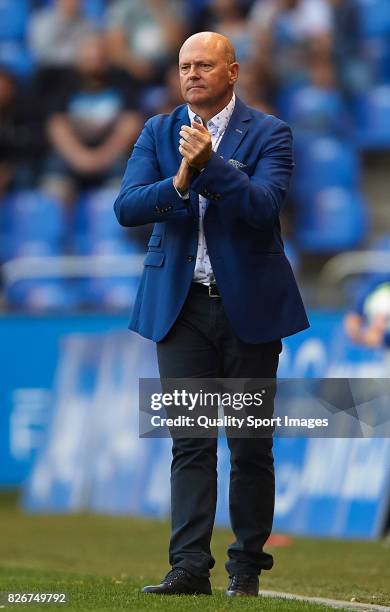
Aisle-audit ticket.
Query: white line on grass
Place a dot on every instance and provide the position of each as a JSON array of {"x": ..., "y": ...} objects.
[{"x": 334, "y": 603}]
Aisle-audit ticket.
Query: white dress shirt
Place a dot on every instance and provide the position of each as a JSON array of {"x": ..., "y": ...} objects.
[{"x": 217, "y": 125}]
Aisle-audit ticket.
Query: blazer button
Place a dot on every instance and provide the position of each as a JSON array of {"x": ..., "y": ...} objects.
[{"x": 190, "y": 258}]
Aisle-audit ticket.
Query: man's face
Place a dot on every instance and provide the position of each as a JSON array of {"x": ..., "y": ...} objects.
[
  {"x": 289, "y": 5},
  {"x": 92, "y": 57},
  {"x": 206, "y": 75},
  {"x": 69, "y": 8}
]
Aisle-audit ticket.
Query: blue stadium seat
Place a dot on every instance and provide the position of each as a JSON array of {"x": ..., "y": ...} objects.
[
  {"x": 332, "y": 220},
  {"x": 377, "y": 54},
  {"x": 114, "y": 294},
  {"x": 112, "y": 246},
  {"x": 382, "y": 243},
  {"x": 42, "y": 295},
  {"x": 32, "y": 221},
  {"x": 313, "y": 109},
  {"x": 374, "y": 17},
  {"x": 95, "y": 10},
  {"x": 100, "y": 219},
  {"x": 15, "y": 57},
  {"x": 13, "y": 18},
  {"x": 325, "y": 162},
  {"x": 372, "y": 111},
  {"x": 32, "y": 215},
  {"x": 35, "y": 248}
]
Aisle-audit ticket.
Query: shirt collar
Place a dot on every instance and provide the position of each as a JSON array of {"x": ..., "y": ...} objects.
[{"x": 221, "y": 119}]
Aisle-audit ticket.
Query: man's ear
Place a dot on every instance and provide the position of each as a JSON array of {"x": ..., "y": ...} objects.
[{"x": 233, "y": 72}]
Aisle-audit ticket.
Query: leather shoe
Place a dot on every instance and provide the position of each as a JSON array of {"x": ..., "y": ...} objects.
[
  {"x": 180, "y": 582},
  {"x": 243, "y": 585}
]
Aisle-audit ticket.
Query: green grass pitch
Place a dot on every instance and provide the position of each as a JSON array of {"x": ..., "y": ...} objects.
[{"x": 102, "y": 562}]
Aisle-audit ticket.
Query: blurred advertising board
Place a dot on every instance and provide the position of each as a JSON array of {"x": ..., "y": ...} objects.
[{"x": 69, "y": 428}]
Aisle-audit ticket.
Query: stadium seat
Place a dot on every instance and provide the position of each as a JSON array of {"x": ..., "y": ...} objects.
[
  {"x": 100, "y": 221},
  {"x": 15, "y": 57},
  {"x": 32, "y": 216},
  {"x": 13, "y": 18},
  {"x": 325, "y": 162},
  {"x": 334, "y": 219},
  {"x": 90, "y": 245},
  {"x": 112, "y": 294},
  {"x": 377, "y": 54},
  {"x": 24, "y": 229},
  {"x": 382, "y": 243},
  {"x": 374, "y": 17},
  {"x": 42, "y": 295},
  {"x": 105, "y": 293},
  {"x": 94, "y": 10},
  {"x": 372, "y": 112},
  {"x": 35, "y": 248},
  {"x": 313, "y": 109},
  {"x": 112, "y": 246}
]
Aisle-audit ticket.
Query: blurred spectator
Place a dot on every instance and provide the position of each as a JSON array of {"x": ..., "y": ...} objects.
[
  {"x": 319, "y": 107},
  {"x": 289, "y": 33},
  {"x": 228, "y": 17},
  {"x": 256, "y": 86},
  {"x": 165, "y": 98},
  {"x": 368, "y": 323},
  {"x": 351, "y": 69},
  {"x": 55, "y": 33},
  {"x": 93, "y": 125},
  {"x": 21, "y": 135},
  {"x": 144, "y": 35}
]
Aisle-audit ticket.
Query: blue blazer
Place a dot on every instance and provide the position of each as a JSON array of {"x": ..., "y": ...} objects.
[{"x": 245, "y": 182}]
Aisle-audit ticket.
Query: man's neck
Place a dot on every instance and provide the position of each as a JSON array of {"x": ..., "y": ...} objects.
[{"x": 207, "y": 112}]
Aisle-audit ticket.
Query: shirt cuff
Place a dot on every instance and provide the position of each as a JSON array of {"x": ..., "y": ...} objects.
[{"x": 183, "y": 196}]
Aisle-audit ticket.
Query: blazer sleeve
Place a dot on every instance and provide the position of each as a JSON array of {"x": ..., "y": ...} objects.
[
  {"x": 145, "y": 197},
  {"x": 257, "y": 199}
]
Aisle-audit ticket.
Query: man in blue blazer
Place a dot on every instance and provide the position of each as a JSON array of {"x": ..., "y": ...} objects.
[{"x": 217, "y": 292}]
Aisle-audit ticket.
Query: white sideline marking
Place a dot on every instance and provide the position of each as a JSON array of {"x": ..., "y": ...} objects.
[{"x": 334, "y": 603}]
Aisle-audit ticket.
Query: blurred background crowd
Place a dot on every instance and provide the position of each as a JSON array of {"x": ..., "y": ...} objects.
[{"x": 78, "y": 78}]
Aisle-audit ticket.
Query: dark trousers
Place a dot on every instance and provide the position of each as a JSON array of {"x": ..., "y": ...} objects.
[{"x": 202, "y": 344}]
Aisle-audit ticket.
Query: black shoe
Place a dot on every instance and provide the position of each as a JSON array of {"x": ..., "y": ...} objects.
[
  {"x": 180, "y": 582},
  {"x": 243, "y": 584}
]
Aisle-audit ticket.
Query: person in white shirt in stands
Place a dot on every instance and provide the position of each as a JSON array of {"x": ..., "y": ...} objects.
[{"x": 289, "y": 33}]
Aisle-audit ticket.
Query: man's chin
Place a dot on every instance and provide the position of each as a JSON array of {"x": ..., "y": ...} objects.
[{"x": 197, "y": 96}]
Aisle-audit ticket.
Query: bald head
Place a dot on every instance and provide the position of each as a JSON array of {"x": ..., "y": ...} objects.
[
  {"x": 213, "y": 42},
  {"x": 208, "y": 71}
]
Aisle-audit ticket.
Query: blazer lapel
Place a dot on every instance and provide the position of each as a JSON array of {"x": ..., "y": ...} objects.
[{"x": 235, "y": 132}]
